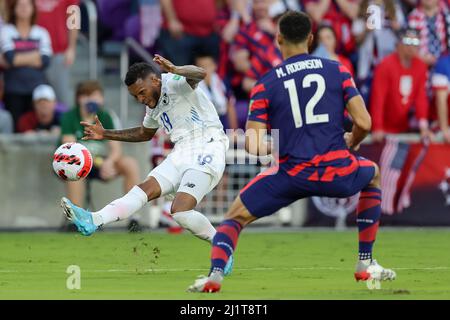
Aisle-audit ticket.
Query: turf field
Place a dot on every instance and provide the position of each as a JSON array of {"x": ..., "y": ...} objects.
[{"x": 288, "y": 265}]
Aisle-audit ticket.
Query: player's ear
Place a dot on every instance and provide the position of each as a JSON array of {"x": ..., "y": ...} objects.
[
  {"x": 154, "y": 79},
  {"x": 310, "y": 40},
  {"x": 280, "y": 39}
]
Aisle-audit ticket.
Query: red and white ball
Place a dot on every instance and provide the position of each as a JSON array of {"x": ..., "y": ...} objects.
[{"x": 72, "y": 161}]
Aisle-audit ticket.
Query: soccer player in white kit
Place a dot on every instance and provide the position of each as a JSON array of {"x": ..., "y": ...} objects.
[{"x": 194, "y": 167}]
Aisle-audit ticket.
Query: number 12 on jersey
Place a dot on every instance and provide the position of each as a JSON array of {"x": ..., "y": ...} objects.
[{"x": 311, "y": 118}]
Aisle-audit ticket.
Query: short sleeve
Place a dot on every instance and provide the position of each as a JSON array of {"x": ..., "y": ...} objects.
[
  {"x": 439, "y": 78},
  {"x": 259, "y": 104},
  {"x": 179, "y": 84},
  {"x": 149, "y": 122},
  {"x": 348, "y": 84},
  {"x": 45, "y": 44},
  {"x": 6, "y": 38}
]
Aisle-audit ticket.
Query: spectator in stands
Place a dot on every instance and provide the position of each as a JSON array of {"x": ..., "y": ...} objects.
[
  {"x": 228, "y": 23},
  {"x": 27, "y": 51},
  {"x": 261, "y": 62},
  {"x": 441, "y": 85},
  {"x": 52, "y": 15},
  {"x": 339, "y": 14},
  {"x": 276, "y": 8},
  {"x": 432, "y": 19},
  {"x": 399, "y": 87},
  {"x": 216, "y": 91},
  {"x": 375, "y": 41},
  {"x": 108, "y": 160},
  {"x": 326, "y": 47},
  {"x": 257, "y": 36},
  {"x": 44, "y": 118},
  {"x": 188, "y": 26}
]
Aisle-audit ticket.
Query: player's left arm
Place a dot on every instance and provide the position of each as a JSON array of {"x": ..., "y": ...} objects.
[
  {"x": 362, "y": 122},
  {"x": 193, "y": 74}
]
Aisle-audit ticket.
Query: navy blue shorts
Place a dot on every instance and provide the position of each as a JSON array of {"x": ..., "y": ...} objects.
[{"x": 277, "y": 187}]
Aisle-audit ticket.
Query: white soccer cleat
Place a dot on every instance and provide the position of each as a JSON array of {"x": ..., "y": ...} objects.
[
  {"x": 373, "y": 273},
  {"x": 205, "y": 284}
]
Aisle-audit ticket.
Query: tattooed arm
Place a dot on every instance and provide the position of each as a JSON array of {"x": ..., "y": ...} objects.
[
  {"x": 193, "y": 74},
  {"x": 97, "y": 132}
]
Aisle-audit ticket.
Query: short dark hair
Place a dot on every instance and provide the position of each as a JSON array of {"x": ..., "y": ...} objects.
[
  {"x": 140, "y": 70},
  {"x": 295, "y": 26}
]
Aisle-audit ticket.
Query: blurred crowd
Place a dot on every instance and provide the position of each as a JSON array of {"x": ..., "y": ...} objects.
[{"x": 396, "y": 50}]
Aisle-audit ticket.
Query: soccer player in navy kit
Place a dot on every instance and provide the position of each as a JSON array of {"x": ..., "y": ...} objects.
[{"x": 305, "y": 98}]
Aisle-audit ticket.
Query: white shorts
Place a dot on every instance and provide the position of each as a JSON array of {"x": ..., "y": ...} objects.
[{"x": 194, "y": 167}]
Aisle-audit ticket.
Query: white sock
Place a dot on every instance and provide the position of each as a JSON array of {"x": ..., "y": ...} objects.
[
  {"x": 121, "y": 208},
  {"x": 196, "y": 223}
]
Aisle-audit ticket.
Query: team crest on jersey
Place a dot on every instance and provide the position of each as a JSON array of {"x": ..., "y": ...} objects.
[{"x": 165, "y": 99}]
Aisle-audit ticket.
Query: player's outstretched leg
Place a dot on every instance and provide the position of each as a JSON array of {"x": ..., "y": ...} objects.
[
  {"x": 368, "y": 217},
  {"x": 194, "y": 186},
  {"x": 224, "y": 244},
  {"x": 88, "y": 222}
]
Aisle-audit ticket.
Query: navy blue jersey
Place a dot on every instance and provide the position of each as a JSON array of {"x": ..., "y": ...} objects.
[{"x": 305, "y": 98}]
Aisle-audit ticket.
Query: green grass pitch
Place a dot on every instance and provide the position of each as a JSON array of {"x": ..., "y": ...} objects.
[{"x": 288, "y": 265}]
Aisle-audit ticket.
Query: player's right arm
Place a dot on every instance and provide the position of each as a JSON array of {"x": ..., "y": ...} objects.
[{"x": 97, "y": 132}]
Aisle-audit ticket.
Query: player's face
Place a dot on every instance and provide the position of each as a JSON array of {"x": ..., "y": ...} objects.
[{"x": 147, "y": 91}]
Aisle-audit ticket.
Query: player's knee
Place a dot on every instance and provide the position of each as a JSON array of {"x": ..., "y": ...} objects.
[
  {"x": 376, "y": 181},
  {"x": 183, "y": 203},
  {"x": 151, "y": 188},
  {"x": 239, "y": 213}
]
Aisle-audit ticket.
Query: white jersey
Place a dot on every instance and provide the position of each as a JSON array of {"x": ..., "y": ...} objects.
[{"x": 184, "y": 113}]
